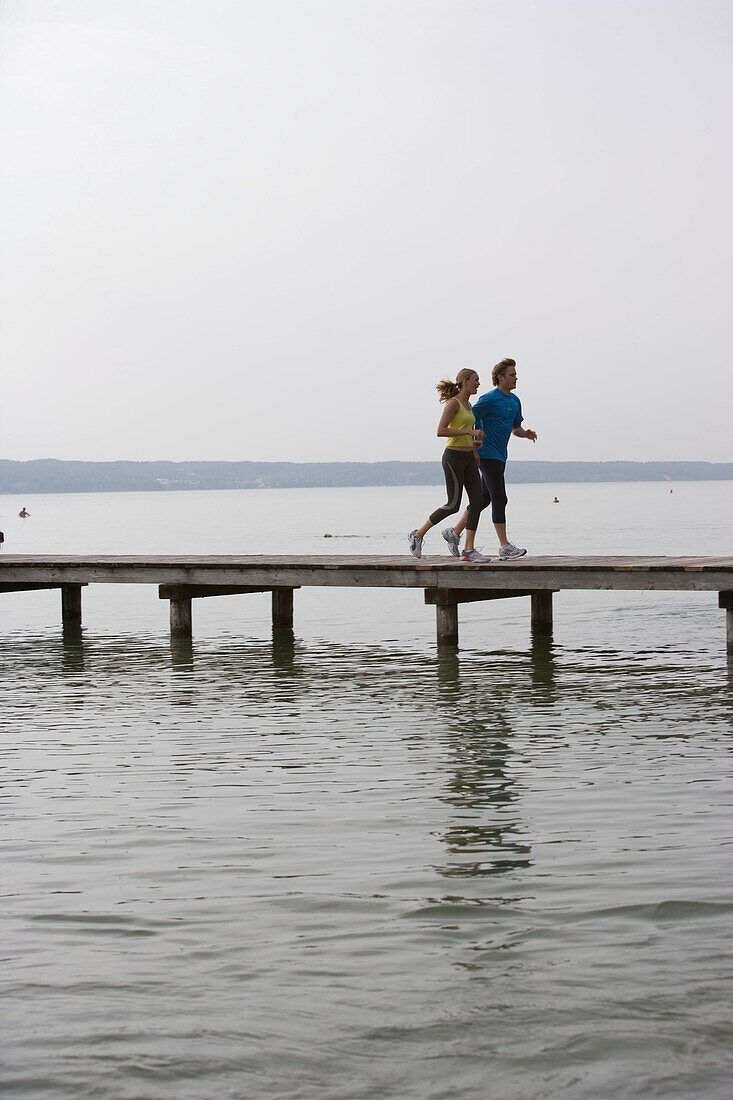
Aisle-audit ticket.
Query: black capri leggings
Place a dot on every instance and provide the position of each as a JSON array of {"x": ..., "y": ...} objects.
[
  {"x": 493, "y": 488},
  {"x": 460, "y": 470}
]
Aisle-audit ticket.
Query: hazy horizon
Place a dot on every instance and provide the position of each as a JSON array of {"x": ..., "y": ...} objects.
[{"x": 263, "y": 230}]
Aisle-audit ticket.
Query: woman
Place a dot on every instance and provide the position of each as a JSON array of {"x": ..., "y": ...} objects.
[{"x": 460, "y": 462}]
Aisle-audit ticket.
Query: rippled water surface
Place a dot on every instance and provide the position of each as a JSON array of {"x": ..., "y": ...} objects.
[{"x": 336, "y": 863}]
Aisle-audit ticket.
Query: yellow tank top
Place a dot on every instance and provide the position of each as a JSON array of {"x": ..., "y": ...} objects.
[{"x": 464, "y": 418}]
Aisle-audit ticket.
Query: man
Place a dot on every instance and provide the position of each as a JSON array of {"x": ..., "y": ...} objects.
[{"x": 499, "y": 414}]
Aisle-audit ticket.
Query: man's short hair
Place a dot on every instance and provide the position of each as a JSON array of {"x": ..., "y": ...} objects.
[{"x": 499, "y": 369}]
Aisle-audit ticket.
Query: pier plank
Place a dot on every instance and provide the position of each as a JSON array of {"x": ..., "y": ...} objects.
[{"x": 542, "y": 573}]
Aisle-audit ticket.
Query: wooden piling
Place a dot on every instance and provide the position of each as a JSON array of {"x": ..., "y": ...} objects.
[
  {"x": 541, "y": 612},
  {"x": 446, "y": 602},
  {"x": 447, "y": 621},
  {"x": 282, "y": 607},
  {"x": 725, "y": 600},
  {"x": 181, "y": 621},
  {"x": 181, "y": 595},
  {"x": 71, "y": 605}
]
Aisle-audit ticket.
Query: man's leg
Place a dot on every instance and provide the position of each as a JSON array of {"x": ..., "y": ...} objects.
[
  {"x": 500, "y": 528},
  {"x": 494, "y": 491},
  {"x": 501, "y": 533},
  {"x": 492, "y": 475}
]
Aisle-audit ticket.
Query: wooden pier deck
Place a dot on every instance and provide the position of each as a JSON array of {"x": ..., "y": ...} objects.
[{"x": 446, "y": 582}]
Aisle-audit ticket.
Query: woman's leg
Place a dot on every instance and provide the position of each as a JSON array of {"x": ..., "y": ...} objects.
[
  {"x": 474, "y": 488},
  {"x": 485, "y": 502},
  {"x": 454, "y": 487}
]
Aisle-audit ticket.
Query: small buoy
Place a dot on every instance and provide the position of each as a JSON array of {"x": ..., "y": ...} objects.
[
  {"x": 328, "y": 536},
  {"x": 556, "y": 501}
]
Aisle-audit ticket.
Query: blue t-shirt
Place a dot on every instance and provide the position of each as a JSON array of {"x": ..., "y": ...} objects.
[{"x": 497, "y": 413}]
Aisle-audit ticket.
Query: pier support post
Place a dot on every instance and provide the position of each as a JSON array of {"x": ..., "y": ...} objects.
[
  {"x": 725, "y": 600},
  {"x": 282, "y": 607},
  {"x": 71, "y": 605},
  {"x": 447, "y": 619},
  {"x": 446, "y": 602},
  {"x": 181, "y": 624},
  {"x": 541, "y": 612}
]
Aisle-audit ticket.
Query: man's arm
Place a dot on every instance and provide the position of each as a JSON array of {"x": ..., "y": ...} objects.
[
  {"x": 525, "y": 433},
  {"x": 481, "y": 407},
  {"x": 481, "y": 410}
]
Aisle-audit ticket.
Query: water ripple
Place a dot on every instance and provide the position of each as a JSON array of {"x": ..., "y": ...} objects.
[{"x": 288, "y": 868}]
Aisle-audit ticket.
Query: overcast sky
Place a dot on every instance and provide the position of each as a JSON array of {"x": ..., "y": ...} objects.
[{"x": 235, "y": 229}]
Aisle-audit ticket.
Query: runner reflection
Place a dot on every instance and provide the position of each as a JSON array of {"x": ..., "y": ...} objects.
[{"x": 486, "y": 837}]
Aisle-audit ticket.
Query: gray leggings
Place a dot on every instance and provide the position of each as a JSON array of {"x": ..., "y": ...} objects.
[{"x": 460, "y": 469}]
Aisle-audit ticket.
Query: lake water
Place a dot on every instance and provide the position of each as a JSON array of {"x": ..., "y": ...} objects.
[{"x": 335, "y": 863}]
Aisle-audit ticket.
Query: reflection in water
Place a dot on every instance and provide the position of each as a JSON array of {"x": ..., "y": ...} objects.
[
  {"x": 283, "y": 647},
  {"x": 484, "y": 839},
  {"x": 478, "y": 706},
  {"x": 543, "y": 667},
  {"x": 449, "y": 679},
  {"x": 185, "y": 867},
  {"x": 72, "y": 647},
  {"x": 73, "y": 665},
  {"x": 184, "y": 688},
  {"x": 182, "y": 654}
]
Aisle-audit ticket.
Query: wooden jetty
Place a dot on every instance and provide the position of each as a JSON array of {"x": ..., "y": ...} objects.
[{"x": 446, "y": 582}]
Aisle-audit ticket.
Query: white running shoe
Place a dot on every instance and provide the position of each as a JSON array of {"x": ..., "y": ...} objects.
[
  {"x": 511, "y": 551},
  {"x": 453, "y": 541},
  {"x": 415, "y": 544},
  {"x": 474, "y": 556}
]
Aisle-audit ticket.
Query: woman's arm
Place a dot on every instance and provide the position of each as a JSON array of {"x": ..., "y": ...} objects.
[{"x": 450, "y": 410}]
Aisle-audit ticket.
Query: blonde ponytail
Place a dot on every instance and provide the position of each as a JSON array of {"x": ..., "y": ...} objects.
[{"x": 447, "y": 389}]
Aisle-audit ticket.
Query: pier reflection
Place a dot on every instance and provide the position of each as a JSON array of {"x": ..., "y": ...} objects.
[
  {"x": 185, "y": 688},
  {"x": 182, "y": 654},
  {"x": 283, "y": 648},
  {"x": 543, "y": 668},
  {"x": 72, "y": 648}
]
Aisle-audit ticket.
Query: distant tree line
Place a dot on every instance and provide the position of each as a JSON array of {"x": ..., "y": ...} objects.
[{"x": 51, "y": 475}]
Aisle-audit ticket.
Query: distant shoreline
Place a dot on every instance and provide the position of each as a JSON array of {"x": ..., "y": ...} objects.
[{"x": 59, "y": 476}]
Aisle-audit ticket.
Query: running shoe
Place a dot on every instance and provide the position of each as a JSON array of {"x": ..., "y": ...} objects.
[
  {"x": 474, "y": 556},
  {"x": 415, "y": 544},
  {"x": 453, "y": 541},
  {"x": 511, "y": 551}
]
